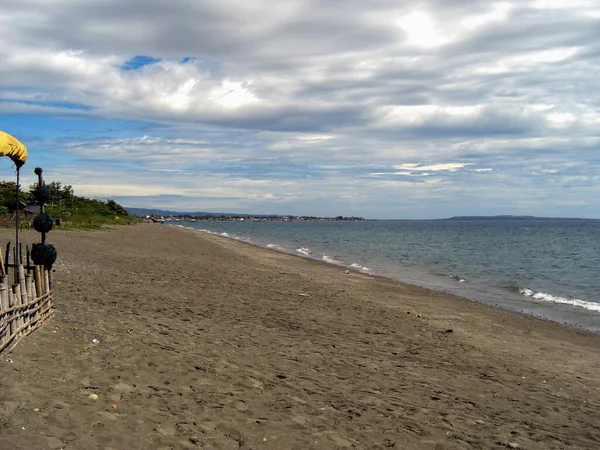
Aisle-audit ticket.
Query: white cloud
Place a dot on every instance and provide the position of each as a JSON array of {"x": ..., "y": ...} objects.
[
  {"x": 293, "y": 104},
  {"x": 451, "y": 167}
]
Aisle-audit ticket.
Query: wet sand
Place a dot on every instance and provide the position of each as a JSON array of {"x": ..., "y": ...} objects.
[{"x": 206, "y": 342}]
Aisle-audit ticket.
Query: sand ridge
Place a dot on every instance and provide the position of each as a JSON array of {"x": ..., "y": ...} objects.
[{"x": 206, "y": 342}]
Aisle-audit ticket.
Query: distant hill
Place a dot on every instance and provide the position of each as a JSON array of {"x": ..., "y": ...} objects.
[{"x": 508, "y": 217}]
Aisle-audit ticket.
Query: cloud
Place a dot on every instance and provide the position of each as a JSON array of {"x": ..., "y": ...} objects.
[
  {"x": 451, "y": 167},
  {"x": 299, "y": 105}
]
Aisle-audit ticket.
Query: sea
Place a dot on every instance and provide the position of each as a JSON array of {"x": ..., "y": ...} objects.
[{"x": 543, "y": 267}]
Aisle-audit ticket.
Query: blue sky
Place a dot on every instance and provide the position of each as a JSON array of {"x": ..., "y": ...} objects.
[{"x": 382, "y": 109}]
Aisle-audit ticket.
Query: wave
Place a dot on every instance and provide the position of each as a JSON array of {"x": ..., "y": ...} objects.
[
  {"x": 331, "y": 260},
  {"x": 361, "y": 268},
  {"x": 304, "y": 251},
  {"x": 541, "y": 296},
  {"x": 458, "y": 278}
]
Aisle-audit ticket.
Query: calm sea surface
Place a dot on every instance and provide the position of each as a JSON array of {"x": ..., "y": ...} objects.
[{"x": 548, "y": 268}]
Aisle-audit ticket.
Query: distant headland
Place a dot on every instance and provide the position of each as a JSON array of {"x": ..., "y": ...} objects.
[
  {"x": 203, "y": 215},
  {"x": 199, "y": 216},
  {"x": 509, "y": 217}
]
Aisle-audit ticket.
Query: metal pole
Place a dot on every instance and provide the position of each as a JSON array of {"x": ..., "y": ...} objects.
[
  {"x": 38, "y": 171},
  {"x": 17, "y": 219},
  {"x": 17, "y": 226}
]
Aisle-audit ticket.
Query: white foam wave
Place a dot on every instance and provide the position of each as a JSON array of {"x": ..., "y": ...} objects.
[
  {"x": 360, "y": 268},
  {"x": 458, "y": 278},
  {"x": 304, "y": 251},
  {"x": 275, "y": 246},
  {"x": 591, "y": 306},
  {"x": 330, "y": 260},
  {"x": 225, "y": 234}
]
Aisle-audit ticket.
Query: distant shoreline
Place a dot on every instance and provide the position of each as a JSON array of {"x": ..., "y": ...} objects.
[{"x": 202, "y": 215}]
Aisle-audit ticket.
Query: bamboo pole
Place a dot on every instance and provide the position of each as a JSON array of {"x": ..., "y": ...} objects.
[
  {"x": 37, "y": 275},
  {"x": 28, "y": 259},
  {"x": 47, "y": 306},
  {"x": 11, "y": 297},
  {"x": 18, "y": 320},
  {"x": 30, "y": 289},
  {"x": 40, "y": 301},
  {"x": 21, "y": 277},
  {"x": 15, "y": 276},
  {"x": 11, "y": 303},
  {"x": 22, "y": 292},
  {"x": 3, "y": 293},
  {"x": 46, "y": 281},
  {"x": 2, "y": 267},
  {"x": 3, "y": 306},
  {"x": 30, "y": 295},
  {"x": 6, "y": 261}
]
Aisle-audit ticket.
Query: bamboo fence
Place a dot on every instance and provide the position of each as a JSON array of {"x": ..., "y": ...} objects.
[{"x": 24, "y": 305}]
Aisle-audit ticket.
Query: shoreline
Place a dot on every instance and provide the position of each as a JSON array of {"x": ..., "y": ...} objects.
[
  {"x": 516, "y": 304},
  {"x": 205, "y": 343},
  {"x": 390, "y": 279}
]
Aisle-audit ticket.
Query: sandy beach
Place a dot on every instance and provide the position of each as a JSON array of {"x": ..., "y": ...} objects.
[{"x": 205, "y": 342}]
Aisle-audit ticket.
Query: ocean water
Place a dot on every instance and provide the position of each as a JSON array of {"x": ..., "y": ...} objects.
[{"x": 546, "y": 268}]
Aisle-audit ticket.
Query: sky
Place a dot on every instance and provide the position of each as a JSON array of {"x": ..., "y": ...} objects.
[{"x": 380, "y": 109}]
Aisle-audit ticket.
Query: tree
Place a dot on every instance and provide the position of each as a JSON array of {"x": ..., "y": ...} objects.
[
  {"x": 60, "y": 194},
  {"x": 8, "y": 195},
  {"x": 116, "y": 208}
]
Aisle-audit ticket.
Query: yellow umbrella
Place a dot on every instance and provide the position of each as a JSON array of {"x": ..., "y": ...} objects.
[
  {"x": 12, "y": 148},
  {"x": 16, "y": 151}
]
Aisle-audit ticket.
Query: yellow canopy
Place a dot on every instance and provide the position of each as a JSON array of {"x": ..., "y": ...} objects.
[{"x": 12, "y": 148}]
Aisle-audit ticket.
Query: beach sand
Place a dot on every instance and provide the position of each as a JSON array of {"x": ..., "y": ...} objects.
[{"x": 206, "y": 342}]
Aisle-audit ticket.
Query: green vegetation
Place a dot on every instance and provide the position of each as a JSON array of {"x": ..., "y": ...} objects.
[{"x": 62, "y": 203}]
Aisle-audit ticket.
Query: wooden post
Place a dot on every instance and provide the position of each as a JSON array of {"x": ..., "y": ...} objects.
[
  {"x": 4, "y": 306},
  {"x": 21, "y": 277},
  {"x": 11, "y": 297},
  {"x": 30, "y": 295},
  {"x": 30, "y": 290},
  {"x": 3, "y": 298},
  {"x": 46, "y": 281},
  {"x": 15, "y": 256},
  {"x": 7, "y": 257},
  {"x": 37, "y": 275},
  {"x": 3, "y": 294},
  {"x": 22, "y": 292},
  {"x": 2, "y": 267},
  {"x": 19, "y": 320}
]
